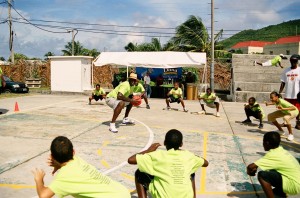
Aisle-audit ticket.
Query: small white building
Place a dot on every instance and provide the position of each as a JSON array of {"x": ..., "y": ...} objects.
[{"x": 71, "y": 73}]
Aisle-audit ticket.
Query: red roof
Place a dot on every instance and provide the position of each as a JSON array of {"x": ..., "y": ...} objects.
[
  {"x": 251, "y": 44},
  {"x": 288, "y": 39}
]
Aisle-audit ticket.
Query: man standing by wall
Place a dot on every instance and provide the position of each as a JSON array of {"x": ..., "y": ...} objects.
[
  {"x": 147, "y": 81},
  {"x": 290, "y": 79},
  {"x": 2, "y": 82}
]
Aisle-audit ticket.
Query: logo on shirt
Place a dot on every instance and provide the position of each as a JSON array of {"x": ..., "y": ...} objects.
[{"x": 292, "y": 76}]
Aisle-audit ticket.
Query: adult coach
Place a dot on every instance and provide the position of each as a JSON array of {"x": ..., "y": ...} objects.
[
  {"x": 290, "y": 80},
  {"x": 118, "y": 98},
  {"x": 274, "y": 62}
]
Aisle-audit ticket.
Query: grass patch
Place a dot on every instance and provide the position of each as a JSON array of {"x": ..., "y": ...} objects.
[{"x": 13, "y": 95}]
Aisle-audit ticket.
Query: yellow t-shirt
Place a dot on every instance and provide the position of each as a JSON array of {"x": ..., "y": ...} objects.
[
  {"x": 138, "y": 89},
  {"x": 283, "y": 162},
  {"x": 123, "y": 88},
  {"x": 204, "y": 95},
  {"x": 174, "y": 92},
  {"x": 285, "y": 104},
  {"x": 80, "y": 179},
  {"x": 98, "y": 92},
  {"x": 172, "y": 170},
  {"x": 276, "y": 60},
  {"x": 257, "y": 107}
]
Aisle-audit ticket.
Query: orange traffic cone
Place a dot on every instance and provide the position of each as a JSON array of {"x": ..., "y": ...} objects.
[{"x": 16, "y": 107}]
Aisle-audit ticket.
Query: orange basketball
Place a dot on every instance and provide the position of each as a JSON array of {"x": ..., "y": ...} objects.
[{"x": 138, "y": 98}]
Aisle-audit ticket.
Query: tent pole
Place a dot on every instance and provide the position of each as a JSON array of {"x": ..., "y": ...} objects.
[{"x": 127, "y": 71}]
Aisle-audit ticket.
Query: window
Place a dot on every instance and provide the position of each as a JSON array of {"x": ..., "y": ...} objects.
[
  {"x": 288, "y": 52},
  {"x": 271, "y": 52}
]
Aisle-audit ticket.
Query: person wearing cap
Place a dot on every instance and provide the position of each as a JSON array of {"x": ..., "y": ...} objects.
[
  {"x": 140, "y": 90},
  {"x": 290, "y": 80},
  {"x": 118, "y": 98},
  {"x": 274, "y": 62}
]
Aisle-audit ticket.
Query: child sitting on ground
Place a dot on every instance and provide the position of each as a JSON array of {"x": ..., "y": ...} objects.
[
  {"x": 211, "y": 100},
  {"x": 254, "y": 109},
  {"x": 75, "y": 177},
  {"x": 279, "y": 168},
  {"x": 286, "y": 110},
  {"x": 175, "y": 95},
  {"x": 167, "y": 173}
]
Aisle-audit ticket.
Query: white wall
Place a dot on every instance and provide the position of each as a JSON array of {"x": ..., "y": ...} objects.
[{"x": 70, "y": 73}]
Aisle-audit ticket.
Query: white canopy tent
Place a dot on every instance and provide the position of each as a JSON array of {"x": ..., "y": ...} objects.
[{"x": 152, "y": 59}]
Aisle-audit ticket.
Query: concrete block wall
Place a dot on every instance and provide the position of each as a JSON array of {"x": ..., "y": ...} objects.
[{"x": 254, "y": 81}]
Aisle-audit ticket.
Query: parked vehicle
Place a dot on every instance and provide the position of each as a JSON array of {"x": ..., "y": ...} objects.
[{"x": 14, "y": 87}]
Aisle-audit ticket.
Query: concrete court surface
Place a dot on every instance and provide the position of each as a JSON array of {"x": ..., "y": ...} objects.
[{"x": 25, "y": 138}]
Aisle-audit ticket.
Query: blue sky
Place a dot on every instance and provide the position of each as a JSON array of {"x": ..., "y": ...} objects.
[{"x": 231, "y": 15}]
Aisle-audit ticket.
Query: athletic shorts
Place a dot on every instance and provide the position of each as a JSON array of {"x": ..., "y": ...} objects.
[
  {"x": 210, "y": 104},
  {"x": 272, "y": 177},
  {"x": 279, "y": 114},
  {"x": 267, "y": 63},
  {"x": 294, "y": 102},
  {"x": 113, "y": 102},
  {"x": 173, "y": 99},
  {"x": 97, "y": 97}
]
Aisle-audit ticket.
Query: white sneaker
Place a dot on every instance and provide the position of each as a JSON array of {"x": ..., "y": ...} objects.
[
  {"x": 127, "y": 121},
  {"x": 202, "y": 112},
  {"x": 290, "y": 137},
  {"x": 112, "y": 128},
  {"x": 218, "y": 114}
]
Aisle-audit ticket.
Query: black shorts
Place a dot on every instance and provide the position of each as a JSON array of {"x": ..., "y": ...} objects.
[
  {"x": 145, "y": 178},
  {"x": 97, "y": 97},
  {"x": 272, "y": 177},
  {"x": 173, "y": 99}
]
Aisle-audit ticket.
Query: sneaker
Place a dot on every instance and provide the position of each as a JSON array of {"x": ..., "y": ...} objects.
[
  {"x": 185, "y": 110},
  {"x": 254, "y": 63},
  {"x": 218, "y": 114},
  {"x": 168, "y": 108},
  {"x": 247, "y": 121},
  {"x": 290, "y": 137},
  {"x": 147, "y": 106},
  {"x": 202, "y": 112},
  {"x": 260, "y": 126},
  {"x": 112, "y": 128},
  {"x": 127, "y": 121}
]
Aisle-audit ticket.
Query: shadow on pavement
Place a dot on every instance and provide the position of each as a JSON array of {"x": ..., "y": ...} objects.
[
  {"x": 3, "y": 111},
  {"x": 241, "y": 189}
]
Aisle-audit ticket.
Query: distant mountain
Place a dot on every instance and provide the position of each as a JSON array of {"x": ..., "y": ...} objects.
[{"x": 270, "y": 33}]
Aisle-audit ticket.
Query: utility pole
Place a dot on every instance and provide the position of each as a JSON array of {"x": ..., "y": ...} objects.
[
  {"x": 11, "y": 33},
  {"x": 212, "y": 66},
  {"x": 73, "y": 38}
]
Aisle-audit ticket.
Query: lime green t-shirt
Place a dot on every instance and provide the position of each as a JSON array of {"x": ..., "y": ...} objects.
[
  {"x": 204, "y": 95},
  {"x": 123, "y": 88},
  {"x": 138, "y": 89},
  {"x": 80, "y": 179},
  {"x": 276, "y": 60},
  {"x": 172, "y": 170},
  {"x": 283, "y": 162},
  {"x": 99, "y": 92},
  {"x": 257, "y": 107},
  {"x": 285, "y": 104},
  {"x": 174, "y": 92}
]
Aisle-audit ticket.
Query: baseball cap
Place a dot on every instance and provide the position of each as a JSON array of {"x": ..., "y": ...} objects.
[
  {"x": 281, "y": 55},
  {"x": 133, "y": 76},
  {"x": 295, "y": 57}
]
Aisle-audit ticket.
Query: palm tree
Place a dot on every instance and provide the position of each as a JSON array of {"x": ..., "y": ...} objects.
[
  {"x": 130, "y": 47},
  {"x": 48, "y": 54},
  {"x": 154, "y": 45},
  {"x": 78, "y": 48}
]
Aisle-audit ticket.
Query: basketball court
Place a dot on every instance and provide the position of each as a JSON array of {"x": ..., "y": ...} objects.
[{"x": 26, "y": 135}]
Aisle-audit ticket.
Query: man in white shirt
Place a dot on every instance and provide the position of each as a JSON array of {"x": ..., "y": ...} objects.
[
  {"x": 290, "y": 79},
  {"x": 147, "y": 81}
]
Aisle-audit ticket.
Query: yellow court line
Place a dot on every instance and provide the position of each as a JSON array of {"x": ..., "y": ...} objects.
[
  {"x": 105, "y": 164},
  {"x": 203, "y": 169},
  {"x": 99, "y": 152},
  {"x": 105, "y": 143},
  {"x": 230, "y": 193},
  {"x": 16, "y": 186},
  {"x": 129, "y": 177}
]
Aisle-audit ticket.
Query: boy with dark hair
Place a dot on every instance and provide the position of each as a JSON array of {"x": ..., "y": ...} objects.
[
  {"x": 255, "y": 110},
  {"x": 279, "y": 168},
  {"x": 139, "y": 89},
  {"x": 211, "y": 100},
  {"x": 97, "y": 94},
  {"x": 75, "y": 176},
  {"x": 167, "y": 173},
  {"x": 175, "y": 95}
]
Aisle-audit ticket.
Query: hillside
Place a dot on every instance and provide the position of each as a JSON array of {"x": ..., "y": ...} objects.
[{"x": 270, "y": 33}]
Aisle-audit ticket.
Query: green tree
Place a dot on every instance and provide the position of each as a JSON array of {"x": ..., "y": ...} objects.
[
  {"x": 48, "y": 54},
  {"x": 154, "y": 45},
  {"x": 78, "y": 49},
  {"x": 2, "y": 58},
  {"x": 93, "y": 52},
  {"x": 130, "y": 47},
  {"x": 18, "y": 56}
]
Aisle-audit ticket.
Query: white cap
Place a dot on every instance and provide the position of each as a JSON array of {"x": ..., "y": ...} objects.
[{"x": 281, "y": 55}]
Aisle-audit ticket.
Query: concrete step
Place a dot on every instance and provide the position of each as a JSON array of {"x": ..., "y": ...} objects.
[
  {"x": 257, "y": 86},
  {"x": 256, "y": 77},
  {"x": 259, "y": 70},
  {"x": 243, "y": 96}
]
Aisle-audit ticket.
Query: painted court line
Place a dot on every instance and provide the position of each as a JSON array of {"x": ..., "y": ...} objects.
[{"x": 150, "y": 141}]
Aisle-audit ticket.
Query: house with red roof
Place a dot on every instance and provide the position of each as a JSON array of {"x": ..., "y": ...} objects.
[
  {"x": 251, "y": 47},
  {"x": 285, "y": 45}
]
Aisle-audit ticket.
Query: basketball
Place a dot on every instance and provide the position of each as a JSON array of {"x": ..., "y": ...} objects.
[{"x": 138, "y": 98}]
